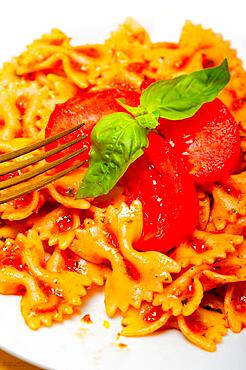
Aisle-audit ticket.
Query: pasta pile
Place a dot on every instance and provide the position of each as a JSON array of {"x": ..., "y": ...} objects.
[{"x": 54, "y": 248}]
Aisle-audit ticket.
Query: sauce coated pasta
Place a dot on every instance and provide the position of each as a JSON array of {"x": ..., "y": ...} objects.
[{"x": 55, "y": 247}]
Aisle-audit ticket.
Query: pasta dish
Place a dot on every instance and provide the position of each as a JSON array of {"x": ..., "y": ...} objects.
[{"x": 157, "y": 211}]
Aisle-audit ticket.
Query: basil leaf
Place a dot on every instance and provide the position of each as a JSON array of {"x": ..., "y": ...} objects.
[
  {"x": 117, "y": 141},
  {"x": 181, "y": 97},
  {"x": 149, "y": 120},
  {"x": 145, "y": 119}
]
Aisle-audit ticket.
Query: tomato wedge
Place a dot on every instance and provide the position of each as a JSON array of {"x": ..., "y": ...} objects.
[
  {"x": 87, "y": 107},
  {"x": 208, "y": 142},
  {"x": 169, "y": 199}
]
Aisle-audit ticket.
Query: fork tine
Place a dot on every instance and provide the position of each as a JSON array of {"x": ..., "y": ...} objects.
[
  {"x": 27, "y": 176},
  {"x": 29, "y": 188},
  {"x": 32, "y": 147},
  {"x": 19, "y": 165}
]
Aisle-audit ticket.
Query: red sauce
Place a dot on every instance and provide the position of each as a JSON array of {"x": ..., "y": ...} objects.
[
  {"x": 65, "y": 222},
  {"x": 194, "y": 323},
  {"x": 112, "y": 239},
  {"x": 21, "y": 103},
  {"x": 146, "y": 82},
  {"x": 187, "y": 293},
  {"x": 91, "y": 52},
  {"x": 153, "y": 313},
  {"x": 198, "y": 245},
  {"x": 190, "y": 290},
  {"x": 21, "y": 290},
  {"x": 43, "y": 196},
  {"x": 31, "y": 76},
  {"x": 71, "y": 260},
  {"x": 207, "y": 62},
  {"x": 132, "y": 271},
  {"x": 238, "y": 103},
  {"x": 11, "y": 256},
  {"x": 23, "y": 201},
  {"x": 57, "y": 68},
  {"x": 182, "y": 63},
  {"x": 46, "y": 288},
  {"x": 56, "y": 42},
  {"x": 66, "y": 192},
  {"x": 48, "y": 248},
  {"x": 137, "y": 67},
  {"x": 232, "y": 93},
  {"x": 171, "y": 45},
  {"x": 225, "y": 270},
  {"x": 9, "y": 176},
  {"x": 86, "y": 318},
  {"x": 140, "y": 37}
]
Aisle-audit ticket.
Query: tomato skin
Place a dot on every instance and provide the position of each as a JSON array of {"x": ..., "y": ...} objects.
[
  {"x": 87, "y": 107},
  {"x": 169, "y": 199},
  {"x": 209, "y": 142}
]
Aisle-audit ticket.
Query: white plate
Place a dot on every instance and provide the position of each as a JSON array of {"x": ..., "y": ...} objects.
[{"x": 74, "y": 345}]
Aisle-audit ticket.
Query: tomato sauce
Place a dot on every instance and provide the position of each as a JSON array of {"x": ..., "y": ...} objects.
[
  {"x": 87, "y": 318},
  {"x": 11, "y": 256},
  {"x": 9, "y": 176},
  {"x": 207, "y": 62},
  {"x": 182, "y": 63},
  {"x": 198, "y": 245},
  {"x": 225, "y": 269},
  {"x": 21, "y": 103},
  {"x": 137, "y": 67},
  {"x": 195, "y": 324},
  {"x": 66, "y": 191},
  {"x": 153, "y": 313},
  {"x": 23, "y": 201},
  {"x": 71, "y": 261},
  {"x": 132, "y": 271},
  {"x": 112, "y": 239},
  {"x": 65, "y": 222}
]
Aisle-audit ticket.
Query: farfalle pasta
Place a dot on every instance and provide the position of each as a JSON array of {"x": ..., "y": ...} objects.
[{"x": 54, "y": 247}]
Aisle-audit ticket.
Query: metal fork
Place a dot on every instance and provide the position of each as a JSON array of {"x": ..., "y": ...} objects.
[{"x": 13, "y": 194}]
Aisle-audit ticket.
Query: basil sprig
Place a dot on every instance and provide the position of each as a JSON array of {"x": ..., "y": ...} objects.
[{"x": 120, "y": 138}]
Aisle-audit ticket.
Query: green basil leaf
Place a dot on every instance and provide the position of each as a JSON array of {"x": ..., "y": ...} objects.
[
  {"x": 117, "y": 141},
  {"x": 145, "y": 119},
  {"x": 181, "y": 97},
  {"x": 149, "y": 120}
]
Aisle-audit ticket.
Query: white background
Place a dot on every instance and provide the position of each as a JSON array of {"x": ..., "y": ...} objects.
[{"x": 91, "y": 21}]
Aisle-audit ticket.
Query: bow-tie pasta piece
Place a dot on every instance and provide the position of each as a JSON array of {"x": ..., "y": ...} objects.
[
  {"x": 204, "y": 328},
  {"x": 57, "y": 226},
  {"x": 183, "y": 295},
  {"x": 229, "y": 206},
  {"x": 135, "y": 276},
  {"x": 205, "y": 247},
  {"x": 65, "y": 189},
  {"x": 229, "y": 270},
  {"x": 13, "y": 281},
  {"x": 144, "y": 321},
  {"x": 22, "y": 207},
  {"x": 68, "y": 285},
  {"x": 69, "y": 261}
]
